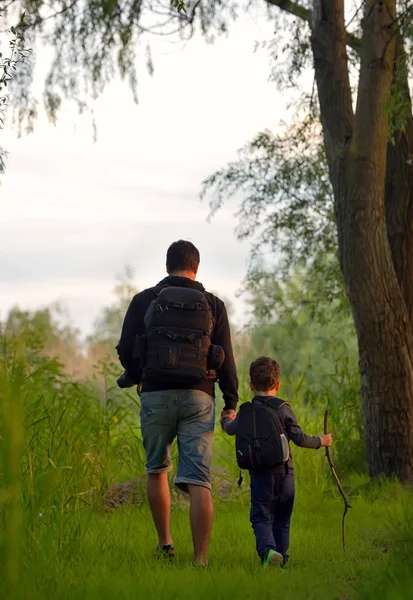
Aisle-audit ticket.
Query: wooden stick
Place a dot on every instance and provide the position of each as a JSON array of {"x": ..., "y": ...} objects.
[{"x": 340, "y": 489}]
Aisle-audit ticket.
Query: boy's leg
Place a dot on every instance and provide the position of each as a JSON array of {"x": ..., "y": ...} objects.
[
  {"x": 283, "y": 509},
  {"x": 261, "y": 516}
]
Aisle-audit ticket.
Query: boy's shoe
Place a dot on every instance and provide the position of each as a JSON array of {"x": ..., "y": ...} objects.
[
  {"x": 272, "y": 559},
  {"x": 166, "y": 551}
]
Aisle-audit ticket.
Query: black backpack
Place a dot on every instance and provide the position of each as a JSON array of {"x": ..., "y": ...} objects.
[
  {"x": 176, "y": 347},
  {"x": 260, "y": 441}
]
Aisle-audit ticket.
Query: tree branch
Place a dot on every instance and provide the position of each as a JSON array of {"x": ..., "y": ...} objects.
[
  {"x": 328, "y": 41},
  {"x": 304, "y": 14},
  {"x": 293, "y": 8},
  {"x": 337, "y": 480}
]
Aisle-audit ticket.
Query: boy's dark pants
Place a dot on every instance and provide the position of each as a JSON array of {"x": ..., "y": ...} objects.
[{"x": 272, "y": 502}]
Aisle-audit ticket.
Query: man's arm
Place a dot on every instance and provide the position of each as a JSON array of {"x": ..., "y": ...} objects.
[
  {"x": 132, "y": 326},
  {"x": 294, "y": 431},
  {"x": 227, "y": 374}
]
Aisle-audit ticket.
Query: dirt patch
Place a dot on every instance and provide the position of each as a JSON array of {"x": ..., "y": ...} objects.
[
  {"x": 133, "y": 492},
  {"x": 128, "y": 493}
]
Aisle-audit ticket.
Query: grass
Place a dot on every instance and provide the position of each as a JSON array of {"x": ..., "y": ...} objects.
[
  {"x": 95, "y": 554},
  {"x": 62, "y": 443}
]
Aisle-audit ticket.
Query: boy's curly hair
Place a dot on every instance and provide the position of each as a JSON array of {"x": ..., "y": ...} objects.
[{"x": 264, "y": 373}]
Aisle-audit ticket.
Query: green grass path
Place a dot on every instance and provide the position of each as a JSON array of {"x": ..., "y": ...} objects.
[{"x": 111, "y": 555}]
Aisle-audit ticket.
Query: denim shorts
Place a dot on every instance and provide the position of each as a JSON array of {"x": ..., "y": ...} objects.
[{"x": 189, "y": 416}]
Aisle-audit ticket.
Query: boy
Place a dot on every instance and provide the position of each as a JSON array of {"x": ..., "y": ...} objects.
[{"x": 272, "y": 491}]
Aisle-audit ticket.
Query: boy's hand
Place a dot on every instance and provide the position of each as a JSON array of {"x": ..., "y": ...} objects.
[
  {"x": 326, "y": 439},
  {"x": 228, "y": 413}
]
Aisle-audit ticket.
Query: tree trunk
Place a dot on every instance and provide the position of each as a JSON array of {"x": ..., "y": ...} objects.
[
  {"x": 373, "y": 189},
  {"x": 399, "y": 211},
  {"x": 399, "y": 186},
  {"x": 378, "y": 290},
  {"x": 383, "y": 326}
]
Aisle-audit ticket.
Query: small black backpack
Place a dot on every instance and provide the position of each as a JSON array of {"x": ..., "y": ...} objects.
[
  {"x": 177, "y": 344},
  {"x": 260, "y": 441}
]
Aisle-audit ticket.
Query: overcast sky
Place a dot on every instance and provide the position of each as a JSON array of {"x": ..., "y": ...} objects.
[{"x": 74, "y": 212}]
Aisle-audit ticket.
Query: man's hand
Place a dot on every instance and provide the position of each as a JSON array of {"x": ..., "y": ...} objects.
[
  {"x": 326, "y": 439},
  {"x": 228, "y": 413}
]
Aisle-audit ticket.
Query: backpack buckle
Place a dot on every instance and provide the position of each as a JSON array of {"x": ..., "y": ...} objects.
[{"x": 158, "y": 309}]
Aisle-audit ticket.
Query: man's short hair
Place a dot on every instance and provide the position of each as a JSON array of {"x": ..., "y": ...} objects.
[
  {"x": 182, "y": 256},
  {"x": 264, "y": 373}
]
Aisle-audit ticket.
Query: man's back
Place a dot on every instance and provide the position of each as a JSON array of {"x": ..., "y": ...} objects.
[{"x": 134, "y": 325}]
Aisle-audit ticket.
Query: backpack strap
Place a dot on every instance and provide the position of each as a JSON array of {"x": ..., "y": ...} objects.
[
  {"x": 275, "y": 403},
  {"x": 156, "y": 289},
  {"x": 244, "y": 406}
]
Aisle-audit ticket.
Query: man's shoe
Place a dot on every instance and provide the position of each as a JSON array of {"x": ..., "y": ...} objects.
[
  {"x": 272, "y": 559},
  {"x": 200, "y": 565},
  {"x": 166, "y": 551}
]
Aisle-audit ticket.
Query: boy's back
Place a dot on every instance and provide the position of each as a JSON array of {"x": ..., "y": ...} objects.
[
  {"x": 292, "y": 429},
  {"x": 272, "y": 490}
]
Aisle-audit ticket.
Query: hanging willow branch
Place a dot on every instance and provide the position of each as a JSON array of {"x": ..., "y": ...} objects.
[{"x": 340, "y": 489}]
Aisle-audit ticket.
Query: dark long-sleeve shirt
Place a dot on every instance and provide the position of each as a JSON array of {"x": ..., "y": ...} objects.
[
  {"x": 292, "y": 429},
  {"x": 133, "y": 325}
]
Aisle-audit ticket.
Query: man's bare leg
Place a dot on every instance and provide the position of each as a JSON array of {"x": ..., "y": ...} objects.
[
  {"x": 202, "y": 516},
  {"x": 159, "y": 499}
]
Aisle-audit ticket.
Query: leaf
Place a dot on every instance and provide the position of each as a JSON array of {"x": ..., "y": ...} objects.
[{"x": 179, "y": 5}]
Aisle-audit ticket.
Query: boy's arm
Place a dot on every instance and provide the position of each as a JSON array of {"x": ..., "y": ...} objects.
[
  {"x": 295, "y": 433},
  {"x": 230, "y": 426}
]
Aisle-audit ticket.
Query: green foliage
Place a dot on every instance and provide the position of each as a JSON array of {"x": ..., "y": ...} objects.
[
  {"x": 287, "y": 204},
  {"x": 95, "y": 40},
  {"x": 294, "y": 311},
  {"x": 39, "y": 332},
  {"x": 313, "y": 338},
  {"x": 39, "y": 328},
  {"x": 62, "y": 446},
  {"x": 9, "y": 64},
  {"x": 290, "y": 48},
  {"x": 65, "y": 442},
  {"x": 179, "y": 5}
]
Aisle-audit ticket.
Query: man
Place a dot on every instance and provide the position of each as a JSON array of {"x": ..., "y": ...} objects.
[{"x": 181, "y": 408}]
